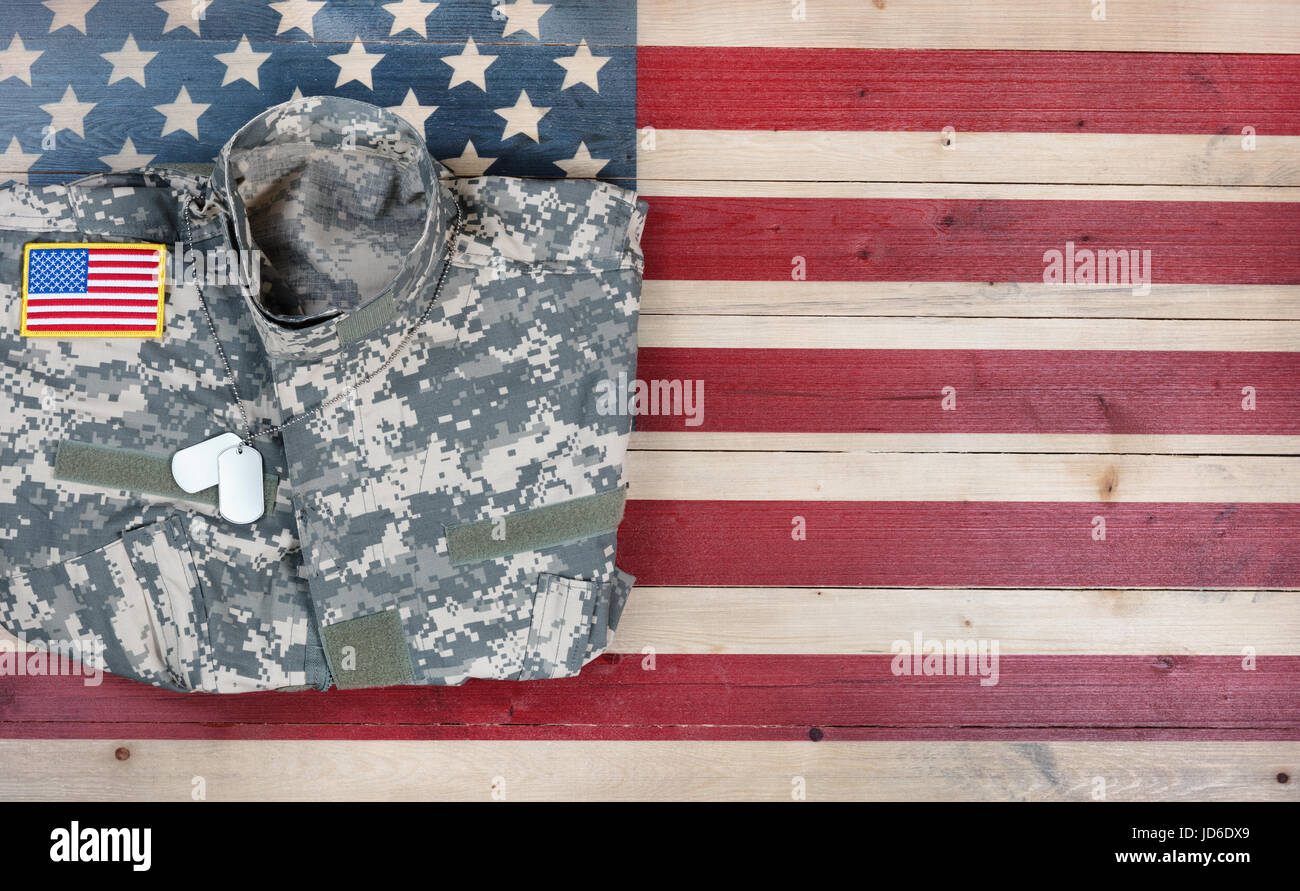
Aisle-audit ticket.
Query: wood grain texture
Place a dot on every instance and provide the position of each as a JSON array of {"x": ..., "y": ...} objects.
[
  {"x": 974, "y": 477},
  {"x": 1243, "y": 26},
  {"x": 922, "y": 157},
  {"x": 848, "y": 332},
  {"x": 654, "y": 771},
  {"x": 956, "y": 443},
  {"x": 967, "y": 300},
  {"x": 764, "y": 88},
  {"x": 996, "y": 391},
  {"x": 851, "y": 621},
  {"x": 757, "y": 239},
  {"x": 717, "y": 697},
  {"x": 961, "y": 544}
]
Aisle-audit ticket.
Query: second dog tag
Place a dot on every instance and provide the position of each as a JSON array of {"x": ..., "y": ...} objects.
[{"x": 239, "y": 485}]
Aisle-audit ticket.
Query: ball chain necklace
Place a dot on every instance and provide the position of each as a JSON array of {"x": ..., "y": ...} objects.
[{"x": 228, "y": 460}]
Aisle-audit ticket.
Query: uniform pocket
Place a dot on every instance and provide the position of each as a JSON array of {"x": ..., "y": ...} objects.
[
  {"x": 135, "y": 601},
  {"x": 563, "y": 615}
]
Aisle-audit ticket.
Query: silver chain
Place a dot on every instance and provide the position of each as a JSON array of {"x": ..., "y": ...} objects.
[{"x": 337, "y": 397}]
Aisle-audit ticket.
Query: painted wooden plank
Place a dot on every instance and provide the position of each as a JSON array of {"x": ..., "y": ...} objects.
[
  {"x": 1001, "y": 544},
  {"x": 855, "y": 621},
  {"x": 1099, "y": 444},
  {"x": 758, "y": 239},
  {"x": 765, "y": 88},
  {"x": 80, "y": 770},
  {"x": 596, "y": 21},
  {"x": 717, "y": 697},
  {"x": 1008, "y": 191},
  {"x": 848, "y": 621},
  {"x": 967, "y": 299},
  {"x": 925, "y": 157},
  {"x": 1244, "y": 26},
  {"x": 984, "y": 391},
  {"x": 849, "y": 332}
]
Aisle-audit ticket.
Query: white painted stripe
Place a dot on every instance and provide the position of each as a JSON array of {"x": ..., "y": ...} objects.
[
  {"x": 848, "y": 332},
  {"x": 916, "y": 156},
  {"x": 883, "y": 476}
]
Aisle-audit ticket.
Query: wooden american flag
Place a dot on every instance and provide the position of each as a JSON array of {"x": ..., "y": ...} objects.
[{"x": 907, "y": 432}]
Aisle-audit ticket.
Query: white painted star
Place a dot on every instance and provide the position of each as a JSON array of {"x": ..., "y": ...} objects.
[
  {"x": 297, "y": 94},
  {"x": 469, "y": 163},
  {"x": 15, "y": 162},
  {"x": 68, "y": 113},
  {"x": 582, "y": 68},
  {"x": 297, "y": 14},
  {"x": 409, "y": 14},
  {"x": 242, "y": 63},
  {"x": 127, "y": 159},
  {"x": 128, "y": 62},
  {"x": 523, "y": 117},
  {"x": 69, "y": 13},
  {"x": 523, "y": 15},
  {"x": 469, "y": 67},
  {"x": 413, "y": 111},
  {"x": 183, "y": 13},
  {"x": 16, "y": 61},
  {"x": 183, "y": 114},
  {"x": 582, "y": 165},
  {"x": 356, "y": 64}
]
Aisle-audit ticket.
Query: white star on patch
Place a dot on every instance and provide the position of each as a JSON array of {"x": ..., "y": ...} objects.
[
  {"x": 523, "y": 117},
  {"x": 242, "y": 63},
  {"x": 182, "y": 114},
  {"x": 16, "y": 61},
  {"x": 68, "y": 113},
  {"x": 129, "y": 62},
  {"x": 469, "y": 67},
  {"x": 356, "y": 64}
]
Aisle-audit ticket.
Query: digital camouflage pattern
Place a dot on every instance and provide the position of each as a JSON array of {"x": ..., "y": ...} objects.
[{"x": 490, "y": 410}]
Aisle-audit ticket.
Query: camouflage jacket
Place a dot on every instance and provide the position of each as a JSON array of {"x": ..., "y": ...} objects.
[{"x": 455, "y": 518}]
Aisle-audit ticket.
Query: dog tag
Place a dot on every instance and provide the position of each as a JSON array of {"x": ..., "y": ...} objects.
[
  {"x": 195, "y": 468},
  {"x": 239, "y": 485}
]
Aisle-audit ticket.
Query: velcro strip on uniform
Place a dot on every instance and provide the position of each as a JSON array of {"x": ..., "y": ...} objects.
[
  {"x": 93, "y": 289},
  {"x": 135, "y": 471},
  {"x": 535, "y": 529},
  {"x": 368, "y": 652},
  {"x": 364, "y": 319}
]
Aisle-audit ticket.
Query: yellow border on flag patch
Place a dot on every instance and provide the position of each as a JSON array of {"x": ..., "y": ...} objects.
[{"x": 162, "y": 272}]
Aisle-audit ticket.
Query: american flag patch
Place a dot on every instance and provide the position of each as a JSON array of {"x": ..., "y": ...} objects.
[{"x": 93, "y": 290}]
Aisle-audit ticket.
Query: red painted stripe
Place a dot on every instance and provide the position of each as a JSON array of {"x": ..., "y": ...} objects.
[
  {"x": 100, "y": 289},
  {"x": 955, "y": 544},
  {"x": 757, "y": 239},
  {"x": 716, "y": 697},
  {"x": 767, "y": 88},
  {"x": 150, "y": 317},
  {"x": 36, "y": 302},
  {"x": 105, "y": 327},
  {"x": 998, "y": 391}
]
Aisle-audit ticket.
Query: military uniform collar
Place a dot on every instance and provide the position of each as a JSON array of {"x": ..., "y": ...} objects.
[{"x": 342, "y": 125}]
